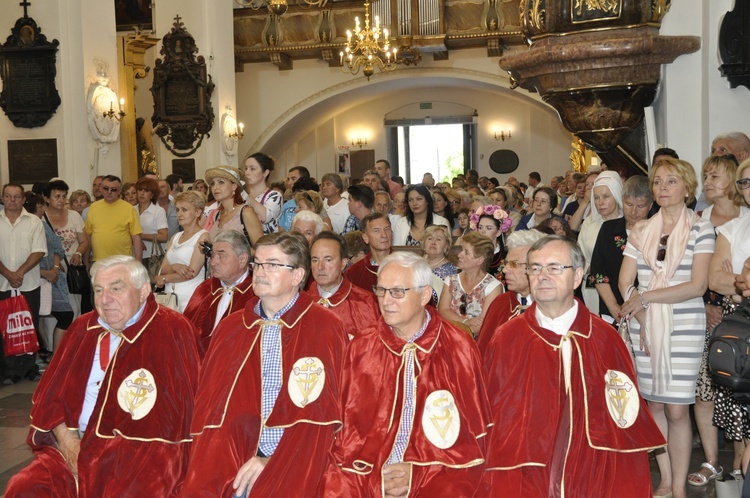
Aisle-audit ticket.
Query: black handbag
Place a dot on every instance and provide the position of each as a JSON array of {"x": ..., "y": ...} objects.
[
  {"x": 77, "y": 276},
  {"x": 729, "y": 352}
]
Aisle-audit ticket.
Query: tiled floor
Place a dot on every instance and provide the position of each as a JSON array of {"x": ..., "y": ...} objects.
[{"x": 15, "y": 402}]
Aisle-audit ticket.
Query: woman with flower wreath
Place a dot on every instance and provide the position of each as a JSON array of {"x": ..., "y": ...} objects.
[
  {"x": 493, "y": 222},
  {"x": 606, "y": 259},
  {"x": 606, "y": 202}
]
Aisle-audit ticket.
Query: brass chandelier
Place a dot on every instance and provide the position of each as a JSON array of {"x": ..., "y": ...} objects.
[
  {"x": 365, "y": 49},
  {"x": 279, "y": 7}
]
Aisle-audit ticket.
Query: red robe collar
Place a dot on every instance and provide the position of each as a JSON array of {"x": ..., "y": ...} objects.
[
  {"x": 502, "y": 309},
  {"x": 364, "y": 273},
  {"x": 338, "y": 297}
]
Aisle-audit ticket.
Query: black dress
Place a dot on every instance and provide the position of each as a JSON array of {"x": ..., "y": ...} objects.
[{"x": 606, "y": 259}]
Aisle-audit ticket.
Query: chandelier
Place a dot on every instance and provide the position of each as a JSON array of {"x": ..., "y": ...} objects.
[
  {"x": 364, "y": 48},
  {"x": 279, "y": 7}
]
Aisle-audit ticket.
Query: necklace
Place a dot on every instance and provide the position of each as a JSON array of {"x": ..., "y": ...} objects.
[
  {"x": 437, "y": 263},
  {"x": 221, "y": 219}
]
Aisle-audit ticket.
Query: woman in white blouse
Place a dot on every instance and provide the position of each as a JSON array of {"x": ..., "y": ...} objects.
[{"x": 153, "y": 218}]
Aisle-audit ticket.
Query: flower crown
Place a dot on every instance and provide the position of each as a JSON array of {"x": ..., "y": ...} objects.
[{"x": 496, "y": 212}]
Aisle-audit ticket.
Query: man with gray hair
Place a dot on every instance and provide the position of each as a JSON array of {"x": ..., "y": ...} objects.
[
  {"x": 228, "y": 289},
  {"x": 517, "y": 297},
  {"x": 332, "y": 190},
  {"x": 267, "y": 405},
  {"x": 414, "y": 403},
  {"x": 119, "y": 390},
  {"x": 570, "y": 377}
]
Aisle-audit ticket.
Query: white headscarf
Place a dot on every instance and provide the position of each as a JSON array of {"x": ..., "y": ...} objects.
[{"x": 613, "y": 182}]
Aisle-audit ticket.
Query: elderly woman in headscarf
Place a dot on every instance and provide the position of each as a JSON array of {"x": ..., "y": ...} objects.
[{"x": 606, "y": 205}]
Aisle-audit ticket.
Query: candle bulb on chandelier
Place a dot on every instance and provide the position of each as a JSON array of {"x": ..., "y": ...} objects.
[
  {"x": 242, "y": 128},
  {"x": 122, "y": 103},
  {"x": 111, "y": 104}
]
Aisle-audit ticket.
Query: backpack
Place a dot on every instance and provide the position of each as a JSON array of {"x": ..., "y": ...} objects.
[{"x": 729, "y": 352}]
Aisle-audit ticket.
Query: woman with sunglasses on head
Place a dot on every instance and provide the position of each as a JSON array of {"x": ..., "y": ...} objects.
[
  {"x": 669, "y": 254},
  {"x": 467, "y": 295},
  {"x": 715, "y": 406}
]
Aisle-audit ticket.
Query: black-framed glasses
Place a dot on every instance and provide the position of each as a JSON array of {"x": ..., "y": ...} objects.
[
  {"x": 662, "y": 252},
  {"x": 462, "y": 304},
  {"x": 513, "y": 264},
  {"x": 270, "y": 267},
  {"x": 552, "y": 269},
  {"x": 743, "y": 183},
  {"x": 395, "y": 292}
]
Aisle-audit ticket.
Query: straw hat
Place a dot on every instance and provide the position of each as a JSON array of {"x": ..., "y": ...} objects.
[{"x": 226, "y": 172}]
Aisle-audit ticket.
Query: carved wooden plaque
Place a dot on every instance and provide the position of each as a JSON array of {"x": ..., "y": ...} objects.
[
  {"x": 27, "y": 68},
  {"x": 185, "y": 168},
  {"x": 32, "y": 161},
  {"x": 182, "y": 90}
]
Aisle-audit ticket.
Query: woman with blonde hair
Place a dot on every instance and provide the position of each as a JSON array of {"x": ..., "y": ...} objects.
[
  {"x": 182, "y": 269},
  {"x": 669, "y": 254},
  {"x": 79, "y": 200},
  {"x": 467, "y": 295},
  {"x": 436, "y": 245},
  {"x": 310, "y": 200}
]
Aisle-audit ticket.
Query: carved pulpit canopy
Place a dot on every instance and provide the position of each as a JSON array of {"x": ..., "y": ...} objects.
[{"x": 182, "y": 90}]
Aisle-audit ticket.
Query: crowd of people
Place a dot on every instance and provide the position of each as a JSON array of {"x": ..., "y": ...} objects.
[{"x": 373, "y": 339}]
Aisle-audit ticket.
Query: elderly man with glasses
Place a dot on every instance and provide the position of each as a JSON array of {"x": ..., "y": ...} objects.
[
  {"x": 577, "y": 425},
  {"x": 266, "y": 408},
  {"x": 113, "y": 224},
  {"x": 413, "y": 398}
]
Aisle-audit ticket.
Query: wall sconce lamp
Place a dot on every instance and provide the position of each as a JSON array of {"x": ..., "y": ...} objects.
[
  {"x": 502, "y": 135},
  {"x": 112, "y": 114},
  {"x": 239, "y": 131},
  {"x": 359, "y": 142}
]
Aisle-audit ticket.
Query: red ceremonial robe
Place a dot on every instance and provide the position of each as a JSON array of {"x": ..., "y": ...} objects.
[
  {"x": 449, "y": 386},
  {"x": 503, "y": 308},
  {"x": 544, "y": 442},
  {"x": 202, "y": 307},
  {"x": 363, "y": 273},
  {"x": 357, "y": 308},
  {"x": 227, "y": 421},
  {"x": 144, "y": 454}
]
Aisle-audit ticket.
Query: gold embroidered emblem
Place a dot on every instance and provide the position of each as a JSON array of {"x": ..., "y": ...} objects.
[
  {"x": 440, "y": 419},
  {"x": 306, "y": 381},
  {"x": 622, "y": 398},
  {"x": 324, "y": 302},
  {"x": 137, "y": 393}
]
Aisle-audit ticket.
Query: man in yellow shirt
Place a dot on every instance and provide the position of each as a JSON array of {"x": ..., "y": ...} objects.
[{"x": 113, "y": 224}]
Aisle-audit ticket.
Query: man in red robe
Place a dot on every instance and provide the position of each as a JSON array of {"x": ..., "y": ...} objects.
[
  {"x": 376, "y": 232},
  {"x": 230, "y": 287},
  {"x": 517, "y": 298},
  {"x": 568, "y": 418},
  {"x": 415, "y": 410},
  {"x": 357, "y": 308},
  {"x": 111, "y": 416},
  {"x": 267, "y": 403}
]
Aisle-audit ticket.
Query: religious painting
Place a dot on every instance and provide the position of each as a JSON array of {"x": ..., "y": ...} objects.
[
  {"x": 132, "y": 14},
  {"x": 28, "y": 69},
  {"x": 182, "y": 90}
]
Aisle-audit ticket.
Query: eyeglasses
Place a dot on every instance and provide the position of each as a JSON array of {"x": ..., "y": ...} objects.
[
  {"x": 743, "y": 184},
  {"x": 270, "y": 267},
  {"x": 455, "y": 202},
  {"x": 512, "y": 263},
  {"x": 553, "y": 269},
  {"x": 462, "y": 304},
  {"x": 662, "y": 248},
  {"x": 110, "y": 189},
  {"x": 396, "y": 292}
]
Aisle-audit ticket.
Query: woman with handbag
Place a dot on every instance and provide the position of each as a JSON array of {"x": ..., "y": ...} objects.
[
  {"x": 153, "y": 219},
  {"x": 669, "y": 253},
  {"x": 68, "y": 225},
  {"x": 182, "y": 270},
  {"x": 54, "y": 290}
]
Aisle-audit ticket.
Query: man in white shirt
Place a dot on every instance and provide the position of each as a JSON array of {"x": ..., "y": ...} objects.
[
  {"x": 22, "y": 246},
  {"x": 336, "y": 205}
]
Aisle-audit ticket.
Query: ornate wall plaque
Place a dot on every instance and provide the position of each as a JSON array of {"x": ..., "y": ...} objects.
[
  {"x": 32, "y": 161},
  {"x": 734, "y": 45},
  {"x": 27, "y": 68},
  {"x": 182, "y": 90},
  {"x": 185, "y": 168}
]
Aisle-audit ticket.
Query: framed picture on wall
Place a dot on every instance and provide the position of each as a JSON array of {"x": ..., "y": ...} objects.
[{"x": 130, "y": 14}]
